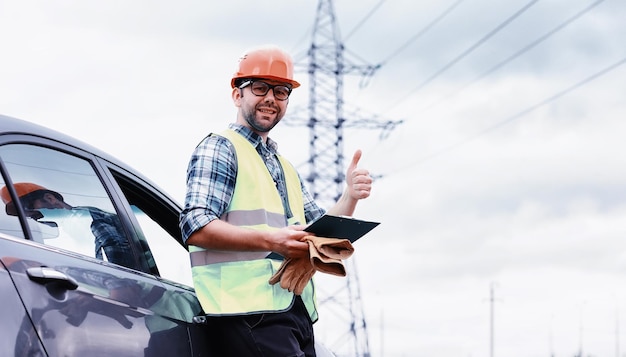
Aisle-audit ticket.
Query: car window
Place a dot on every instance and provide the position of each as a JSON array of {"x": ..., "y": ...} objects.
[
  {"x": 65, "y": 203},
  {"x": 159, "y": 227},
  {"x": 171, "y": 258}
]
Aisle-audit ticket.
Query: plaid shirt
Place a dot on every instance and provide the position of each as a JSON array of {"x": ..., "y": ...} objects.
[
  {"x": 109, "y": 236},
  {"x": 211, "y": 177}
]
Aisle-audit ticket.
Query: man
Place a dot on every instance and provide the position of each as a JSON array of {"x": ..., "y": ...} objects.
[
  {"x": 105, "y": 226},
  {"x": 246, "y": 204}
]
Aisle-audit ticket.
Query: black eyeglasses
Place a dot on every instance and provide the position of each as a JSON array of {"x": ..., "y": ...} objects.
[{"x": 259, "y": 88}]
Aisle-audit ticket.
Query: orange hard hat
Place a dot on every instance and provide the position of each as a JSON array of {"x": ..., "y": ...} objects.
[
  {"x": 268, "y": 62},
  {"x": 22, "y": 189}
]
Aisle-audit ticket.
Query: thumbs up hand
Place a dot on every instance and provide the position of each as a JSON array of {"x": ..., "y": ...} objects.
[{"x": 359, "y": 182}]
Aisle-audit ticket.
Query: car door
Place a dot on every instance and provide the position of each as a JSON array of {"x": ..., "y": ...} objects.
[
  {"x": 18, "y": 336},
  {"x": 155, "y": 218},
  {"x": 85, "y": 271}
]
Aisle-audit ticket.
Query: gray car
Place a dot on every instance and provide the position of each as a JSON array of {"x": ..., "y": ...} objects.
[{"x": 92, "y": 262}]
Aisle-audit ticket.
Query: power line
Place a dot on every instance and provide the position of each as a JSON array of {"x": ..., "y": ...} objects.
[
  {"x": 467, "y": 51},
  {"x": 515, "y": 55},
  {"x": 364, "y": 20},
  {"x": 516, "y": 116},
  {"x": 521, "y": 51},
  {"x": 422, "y": 31},
  {"x": 365, "y": 79}
]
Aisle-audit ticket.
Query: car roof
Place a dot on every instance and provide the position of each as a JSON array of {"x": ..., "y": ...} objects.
[{"x": 11, "y": 125}]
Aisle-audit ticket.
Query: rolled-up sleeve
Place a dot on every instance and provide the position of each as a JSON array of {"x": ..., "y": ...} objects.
[
  {"x": 311, "y": 210},
  {"x": 211, "y": 176}
]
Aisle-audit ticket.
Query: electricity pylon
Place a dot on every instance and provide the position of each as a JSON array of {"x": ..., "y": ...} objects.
[{"x": 341, "y": 310}]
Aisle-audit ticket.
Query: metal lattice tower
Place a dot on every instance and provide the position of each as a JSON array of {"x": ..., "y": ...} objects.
[{"x": 340, "y": 310}]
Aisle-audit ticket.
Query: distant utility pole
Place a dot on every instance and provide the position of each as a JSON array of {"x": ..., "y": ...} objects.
[
  {"x": 326, "y": 177},
  {"x": 492, "y": 317},
  {"x": 616, "y": 331},
  {"x": 581, "y": 328}
]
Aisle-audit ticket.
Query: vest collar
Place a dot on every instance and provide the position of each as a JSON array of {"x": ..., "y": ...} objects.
[{"x": 254, "y": 138}]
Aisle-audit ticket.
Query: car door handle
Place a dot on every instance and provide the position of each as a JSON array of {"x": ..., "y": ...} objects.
[{"x": 45, "y": 275}]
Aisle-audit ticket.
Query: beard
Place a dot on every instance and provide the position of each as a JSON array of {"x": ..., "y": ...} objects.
[{"x": 261, "y": 125}]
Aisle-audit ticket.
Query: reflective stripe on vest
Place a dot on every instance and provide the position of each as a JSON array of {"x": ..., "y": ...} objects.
[{"x": 233, "y": 282}]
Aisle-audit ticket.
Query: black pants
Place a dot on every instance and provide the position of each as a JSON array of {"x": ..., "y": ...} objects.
[{"x": 282, "y": 334}]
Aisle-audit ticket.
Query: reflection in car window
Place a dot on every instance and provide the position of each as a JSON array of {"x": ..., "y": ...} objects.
[
  {"x": 63, "y": 193},
  {"x": 158, "y": 221},
  {"x": 171, "y": 258}
]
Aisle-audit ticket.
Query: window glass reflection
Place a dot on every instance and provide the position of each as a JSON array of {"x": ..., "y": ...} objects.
[
  {"x": 62, "y": 193},
  {"x": 171, "y": 258}
]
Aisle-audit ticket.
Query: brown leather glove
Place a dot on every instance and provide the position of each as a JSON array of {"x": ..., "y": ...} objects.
[
  {"x": 279, "y": 273},
  {"x": 294, "y": 274},
  {"x": 327, "y": 254},
  {"x": 335, "y": 248}
]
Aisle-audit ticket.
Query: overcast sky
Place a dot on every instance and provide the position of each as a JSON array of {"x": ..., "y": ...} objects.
[{"x": 508, "y": 170}]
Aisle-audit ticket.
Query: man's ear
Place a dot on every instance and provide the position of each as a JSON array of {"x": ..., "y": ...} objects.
[{"x": 236, "y": 94}]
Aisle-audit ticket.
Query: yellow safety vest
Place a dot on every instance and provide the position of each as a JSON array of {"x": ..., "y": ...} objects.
[{"x": 233, "y": 282}]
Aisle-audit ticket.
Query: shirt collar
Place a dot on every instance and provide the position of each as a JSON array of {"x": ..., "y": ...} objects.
[{"x": 254, "y": 138}]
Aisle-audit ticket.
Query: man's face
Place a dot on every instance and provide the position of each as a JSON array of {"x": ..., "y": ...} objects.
[
  {"x": 260, "y": 112},
  {"x": 45, "y": 201}
]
